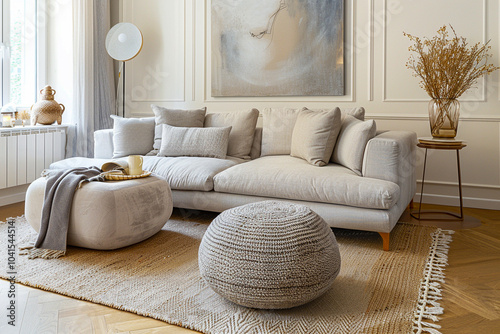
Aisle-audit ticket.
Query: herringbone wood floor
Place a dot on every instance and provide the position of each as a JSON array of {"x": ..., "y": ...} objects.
[{"x": 471, "y": 295}]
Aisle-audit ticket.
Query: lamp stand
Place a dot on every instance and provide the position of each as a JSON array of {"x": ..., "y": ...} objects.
[{"x": 123, "y": 93}]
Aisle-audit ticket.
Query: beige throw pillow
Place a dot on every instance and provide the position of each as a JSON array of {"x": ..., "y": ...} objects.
[
  {"x": 277, "y": 129},
  {"x": 243, "y": 128},
  {"x": 175, "y": 117},
  {"x": 314, "y": 135},
  {"x": 351, "y": 143},
  {"x": 194, "y": 142}
]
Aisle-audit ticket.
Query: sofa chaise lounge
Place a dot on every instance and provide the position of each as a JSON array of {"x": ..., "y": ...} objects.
[{"x": 372, "y": 198}]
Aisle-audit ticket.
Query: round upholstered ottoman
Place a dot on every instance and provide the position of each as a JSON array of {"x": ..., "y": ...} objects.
[
  {"x": 269, "y": 255},
  {"x": 111, "y": 214}
]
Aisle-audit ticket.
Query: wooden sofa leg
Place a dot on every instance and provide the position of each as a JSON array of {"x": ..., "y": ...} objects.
[
  {"x": 385, "y": 240},
  {"x": 411, "y": 205}
]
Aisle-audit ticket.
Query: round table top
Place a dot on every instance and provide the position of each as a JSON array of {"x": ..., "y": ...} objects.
[{"x": 441, "y": 144}]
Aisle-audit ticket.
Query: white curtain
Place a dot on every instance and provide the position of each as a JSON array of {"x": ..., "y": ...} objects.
[
  {"x": 104, "y": 83},
  {"x": 94, "y": 91}
]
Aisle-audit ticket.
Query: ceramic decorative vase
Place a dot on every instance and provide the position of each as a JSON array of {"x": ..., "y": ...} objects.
[
  {"x": 443, "y": 117},
  {"x": 47, "y": 110}
]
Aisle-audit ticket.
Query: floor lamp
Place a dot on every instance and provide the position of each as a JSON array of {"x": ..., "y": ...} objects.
[{"x": 123, "y": 43}]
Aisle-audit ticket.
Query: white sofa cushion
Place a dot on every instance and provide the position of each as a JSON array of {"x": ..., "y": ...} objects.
[
  {"x": 182, "y": 173},
  {"x": 175, "y": 117},
  {"x": 132, "y": 135},
  {"x": 188, "y": 173},
  {"x": 314, "y": 135},
  {"x": 277, "y": 129},
  {"x": 194, "y": 142},
  {"x": 293, "y": 178},
  {"x": 351, "y": 142},
  {"x": 242, "y": 130}
]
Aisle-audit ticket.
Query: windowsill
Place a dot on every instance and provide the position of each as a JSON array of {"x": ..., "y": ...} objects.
[{"x": 33, "y": 127}]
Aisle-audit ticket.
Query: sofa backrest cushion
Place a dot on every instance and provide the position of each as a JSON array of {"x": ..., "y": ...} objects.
[
  {"x": 351, "y": 142},
  {"x": 314, "y": 135},
  {"x": 242, "y": 132},
  {"x": 175, "y": 117},
  {"x": 194, "y": 142},
  {"x": 132, "y": 135},
  {"x": 277, "y": 129},
  {"x": 356, "y": 112}
]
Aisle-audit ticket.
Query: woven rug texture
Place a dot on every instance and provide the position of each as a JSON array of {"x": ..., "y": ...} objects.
[{"x": 375, "y": 292}]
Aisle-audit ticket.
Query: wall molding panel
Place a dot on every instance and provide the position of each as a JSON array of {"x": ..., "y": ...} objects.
[
  {"x": 158, "y": 73},
  {"x": 482, "y": 95},
  {"x": 193, "y": 64},
  {"x": 371, "y": 58}
]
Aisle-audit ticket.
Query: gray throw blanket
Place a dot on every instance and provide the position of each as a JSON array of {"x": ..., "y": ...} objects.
[{"x": 59, "y": 192}]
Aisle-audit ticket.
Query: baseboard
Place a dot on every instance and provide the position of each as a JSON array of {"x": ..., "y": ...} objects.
[
  {"x": 13, "y": 195},
  {"x": 468, "y": 202}
]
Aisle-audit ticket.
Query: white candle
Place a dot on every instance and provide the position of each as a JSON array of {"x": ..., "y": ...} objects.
[{"x": 6, "y": 120}]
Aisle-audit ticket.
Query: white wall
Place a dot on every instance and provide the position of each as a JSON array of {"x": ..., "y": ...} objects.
[{"x": 173, "y": 70}]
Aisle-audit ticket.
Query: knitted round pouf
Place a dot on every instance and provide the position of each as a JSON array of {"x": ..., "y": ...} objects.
[{"x": 269, "y": 255}]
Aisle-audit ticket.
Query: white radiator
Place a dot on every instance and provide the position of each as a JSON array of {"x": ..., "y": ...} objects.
[{"x": 26, "y": 152}]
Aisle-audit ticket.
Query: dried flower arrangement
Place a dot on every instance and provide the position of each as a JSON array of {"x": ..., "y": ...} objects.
[
  {"x": 447, "y": 67},
  {"x": 24, "y": 116}
]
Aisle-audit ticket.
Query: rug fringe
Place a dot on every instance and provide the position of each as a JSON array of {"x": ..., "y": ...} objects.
[
  {"x": 40, "y": 253},
  {"x": 428, "y": 307}
]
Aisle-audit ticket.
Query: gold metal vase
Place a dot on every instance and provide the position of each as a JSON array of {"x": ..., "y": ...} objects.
[{"x": 443, "y": 117}]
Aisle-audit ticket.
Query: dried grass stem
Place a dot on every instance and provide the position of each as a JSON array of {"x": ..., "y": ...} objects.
[{"x": 448, "y": 67}]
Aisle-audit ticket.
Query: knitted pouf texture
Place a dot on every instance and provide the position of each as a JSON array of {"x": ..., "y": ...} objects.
[{"x": 269, "y": 255}]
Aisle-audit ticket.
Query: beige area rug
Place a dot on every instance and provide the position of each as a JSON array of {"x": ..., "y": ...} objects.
[{"x": 375, "y": 292}]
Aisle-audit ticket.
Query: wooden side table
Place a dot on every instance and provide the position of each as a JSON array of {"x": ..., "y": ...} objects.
[{"x": 433, "y": 144}]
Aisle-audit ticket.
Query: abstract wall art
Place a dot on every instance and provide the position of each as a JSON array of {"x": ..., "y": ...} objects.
[{"x": 277, "y": 47}]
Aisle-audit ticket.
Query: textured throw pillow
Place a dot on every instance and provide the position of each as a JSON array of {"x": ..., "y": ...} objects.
[
  {"x": 176, "y": 117},
  {"x": 277, "y": 129},
  {"x": 351, "y": 142},
  {"x": 243, "y": 128},
  {"x": 314, "y": 135},
  {"x": 194, "y": 142},
  {"x": 132, "y": 135}
]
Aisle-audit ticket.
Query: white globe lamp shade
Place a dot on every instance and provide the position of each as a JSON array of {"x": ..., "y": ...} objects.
[{"x": 124, "y": 41}]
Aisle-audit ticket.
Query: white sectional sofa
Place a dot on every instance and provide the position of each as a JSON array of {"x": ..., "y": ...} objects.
[{"x": 371, "y": 198}]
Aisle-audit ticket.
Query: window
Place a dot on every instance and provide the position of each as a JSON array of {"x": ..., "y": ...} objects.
[{"x": 19, "y": 51}]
